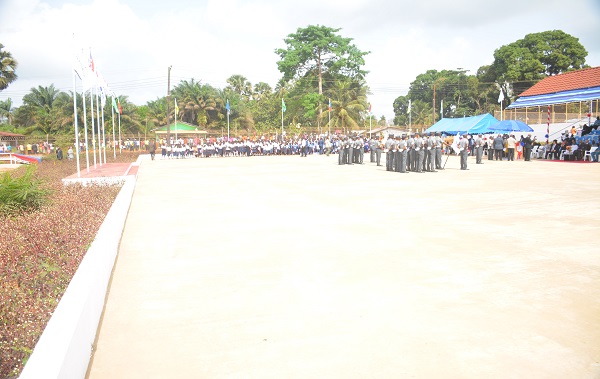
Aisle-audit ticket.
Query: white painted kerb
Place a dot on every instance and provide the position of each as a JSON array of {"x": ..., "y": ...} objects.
[{"x": 65, "y": 347}]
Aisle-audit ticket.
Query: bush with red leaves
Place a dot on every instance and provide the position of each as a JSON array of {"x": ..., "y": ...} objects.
[{"x": 39, "y": 254}]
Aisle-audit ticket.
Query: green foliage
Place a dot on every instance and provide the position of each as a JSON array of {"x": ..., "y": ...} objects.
[
  {"x": 8, "y": 66},
  {"x": 319, "y": 49},
  {"x": 22, "y": 194}
]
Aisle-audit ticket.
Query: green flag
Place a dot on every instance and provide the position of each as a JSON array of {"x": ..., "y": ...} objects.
[
  {"x": 282, "y": 105},
  {"x": 114, "y": 104}
]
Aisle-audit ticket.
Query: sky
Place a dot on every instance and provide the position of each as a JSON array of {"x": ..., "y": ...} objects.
[{"x": 133, "y": 42}]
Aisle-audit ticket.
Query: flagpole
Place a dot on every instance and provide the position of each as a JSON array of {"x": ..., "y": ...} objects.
[
  {"x": 228, "y": 125},
  {"x": 103, "y": 134},
  {"x": 93, "y": 125},
  {"x": 98, "y": 126},
  {"x": 120, "y": 138},
  {"x": 87, "y": 147},
  {"x": 409, "y": 115},
  {"x": 76, "y": 126},
  {"x": 112, "y": 116},
  {"x": 282, "y": 117},
  {"x": 329, "y": 114}
]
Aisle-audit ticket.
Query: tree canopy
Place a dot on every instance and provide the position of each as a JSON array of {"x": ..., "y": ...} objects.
[{"x": 8, "y": 65}]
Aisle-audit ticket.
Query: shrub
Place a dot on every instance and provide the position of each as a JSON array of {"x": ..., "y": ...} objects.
[{"x": 22, "y": 194}]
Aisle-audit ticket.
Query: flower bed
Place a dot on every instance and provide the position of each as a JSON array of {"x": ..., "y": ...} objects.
[{"x": 39, "y": 254}]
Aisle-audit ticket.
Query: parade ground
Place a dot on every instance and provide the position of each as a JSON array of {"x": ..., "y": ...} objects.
[{"x": 290, "y": 267}]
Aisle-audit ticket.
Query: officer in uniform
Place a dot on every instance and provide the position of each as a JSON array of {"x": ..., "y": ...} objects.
[
  {"x": 361, "y": 150},
  {"x": 397, "y": 153},
  {"x": 439, "y": 143},
  {"x": 420, "y": 154},
  {"x": 379, "y": 149},
  {"x": 350, "y": 153},
  {"x": 463, "y": 146},
  {"x": 478, "y": 149},
  {"x": 431, "y": 141},
  {"x": 410, "y": 146},
  {"x": 373, "y": 147},
  {"x": 389, "y": 155},
  {"x": 402, "y": 149},
  {"x": 342, "y": 152}
]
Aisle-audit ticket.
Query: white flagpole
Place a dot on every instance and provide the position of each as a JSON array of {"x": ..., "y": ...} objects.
[
  {"x": 98, "y": 126},
  {"x": 103, "y": 133},
  {"x": 87, "y": 147},
  {"x": 282, "y": 118},
  {"x": 93, "y": 125},
  {"x": 329, "y": 114},
  {"x": 501, "y": 111},
  {"x": 76, "y": 126},
  {"x": 120, "y": 139},
  {"x": 409, "y": 115},
  {"x": 112, "y": 116}
]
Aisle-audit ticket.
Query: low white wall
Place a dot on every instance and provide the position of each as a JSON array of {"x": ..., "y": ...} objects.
[{"x": 65, "y": 347}]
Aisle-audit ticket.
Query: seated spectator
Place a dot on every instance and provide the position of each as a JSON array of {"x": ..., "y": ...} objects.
[
  {"x": 583, "y": 147},
  {"x": 596, "y": 123},
  {"x": 596, "y": 153},
  {"x": 553, "y": 150}
]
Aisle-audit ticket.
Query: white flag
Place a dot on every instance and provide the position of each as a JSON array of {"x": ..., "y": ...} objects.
[
  {"x": 409, "y": 106},
  {"x": 501, "y": 97}
]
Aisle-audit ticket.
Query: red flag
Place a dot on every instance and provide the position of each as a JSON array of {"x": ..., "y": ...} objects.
[
  {"x": 370, "y": 107},
  {"x": 119, "y": 105}
]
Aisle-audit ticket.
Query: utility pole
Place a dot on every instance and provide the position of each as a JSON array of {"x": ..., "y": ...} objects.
[
  {"x": 433, "y": 103},
  {"x": 168, "y": 110}
]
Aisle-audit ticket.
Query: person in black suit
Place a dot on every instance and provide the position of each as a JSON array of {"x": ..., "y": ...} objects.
[{"x": 527, "y": 145}]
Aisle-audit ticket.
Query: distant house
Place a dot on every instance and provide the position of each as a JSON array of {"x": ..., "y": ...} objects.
[{"x": 12, "y": 139}]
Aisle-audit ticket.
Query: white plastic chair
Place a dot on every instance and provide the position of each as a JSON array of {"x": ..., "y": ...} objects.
[{"x": 589, "y": 153}]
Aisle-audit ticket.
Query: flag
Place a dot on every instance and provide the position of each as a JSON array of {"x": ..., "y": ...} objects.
[
  {"x": 501, "y": 97},
  {"x": 370, "y": 107},
  {"x": 120, "y": 107},
  {"x": 455, "y": 143},
  {"x": 409, "y": 106},
  {"x": 91, "y": 62},
  {"x": 282, "y": 105},
  {"x": 330, "y": 107},
  {"x": 176, "y": 109},
  {"x": 114, "y": 104},
  {"x": 228, "y": 107}
]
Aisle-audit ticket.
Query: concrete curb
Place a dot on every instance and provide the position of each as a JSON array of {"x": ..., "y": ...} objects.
[{"x": 65, "y": 347}]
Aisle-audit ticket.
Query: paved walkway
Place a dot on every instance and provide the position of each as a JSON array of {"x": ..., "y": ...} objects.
[{"x": 289, "y": 267}]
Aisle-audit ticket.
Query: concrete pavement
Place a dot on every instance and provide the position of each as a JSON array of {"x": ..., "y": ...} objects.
[{"x": 289, "y": 267}]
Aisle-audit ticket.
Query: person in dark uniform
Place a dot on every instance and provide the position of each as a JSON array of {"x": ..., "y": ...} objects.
[
  {"x": 59, "y": 153},
  {"x": 397, "y": 153},
  {"x": 527, "y": 145},
  {"x": 350, "y": 157},
  {"x": 342, "y": 152}
]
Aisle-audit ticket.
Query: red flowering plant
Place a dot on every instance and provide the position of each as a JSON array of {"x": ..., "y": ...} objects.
[{"x": 42, "y": 242}]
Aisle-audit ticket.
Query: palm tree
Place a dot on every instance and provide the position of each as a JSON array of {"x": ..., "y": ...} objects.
[
  {"x": 261, "y": 91},
  {"x": 241, "y": 85},
  {"x": 7, "y": 68},
  {"x": 6, "y": 110},
  {"x": 39, "y": 105},
  {"x": 349, "y": 100}
]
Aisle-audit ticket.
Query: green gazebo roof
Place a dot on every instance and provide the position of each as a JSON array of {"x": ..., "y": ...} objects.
[{"x": 181, "y": 127}]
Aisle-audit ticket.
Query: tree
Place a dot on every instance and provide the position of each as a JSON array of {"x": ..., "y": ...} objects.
[
  {"x": 320, "y": 49},
  {"x": 241, "y": 85},
  {"x": 8, "y": 65},
  {"x": 38, "y": 105},
  {"x": 6, "y": 110},
  {"x": 519, "y": 65},
  {"x": 349, "y": 101}
]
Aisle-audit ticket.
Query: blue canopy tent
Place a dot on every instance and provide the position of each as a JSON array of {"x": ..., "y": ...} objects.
[
  {"x": 510, "y": 126},
  {"x": 472, "y": 125}
]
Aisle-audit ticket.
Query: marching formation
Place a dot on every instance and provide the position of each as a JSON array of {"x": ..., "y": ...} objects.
[{"x": 405, "y": 153}]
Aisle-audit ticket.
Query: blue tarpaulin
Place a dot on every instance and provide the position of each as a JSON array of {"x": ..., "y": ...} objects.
[
  {"x": 510, "y": 126},
  {"x": 472, "y": 125},
  {"x": 584, "y": 94}
]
